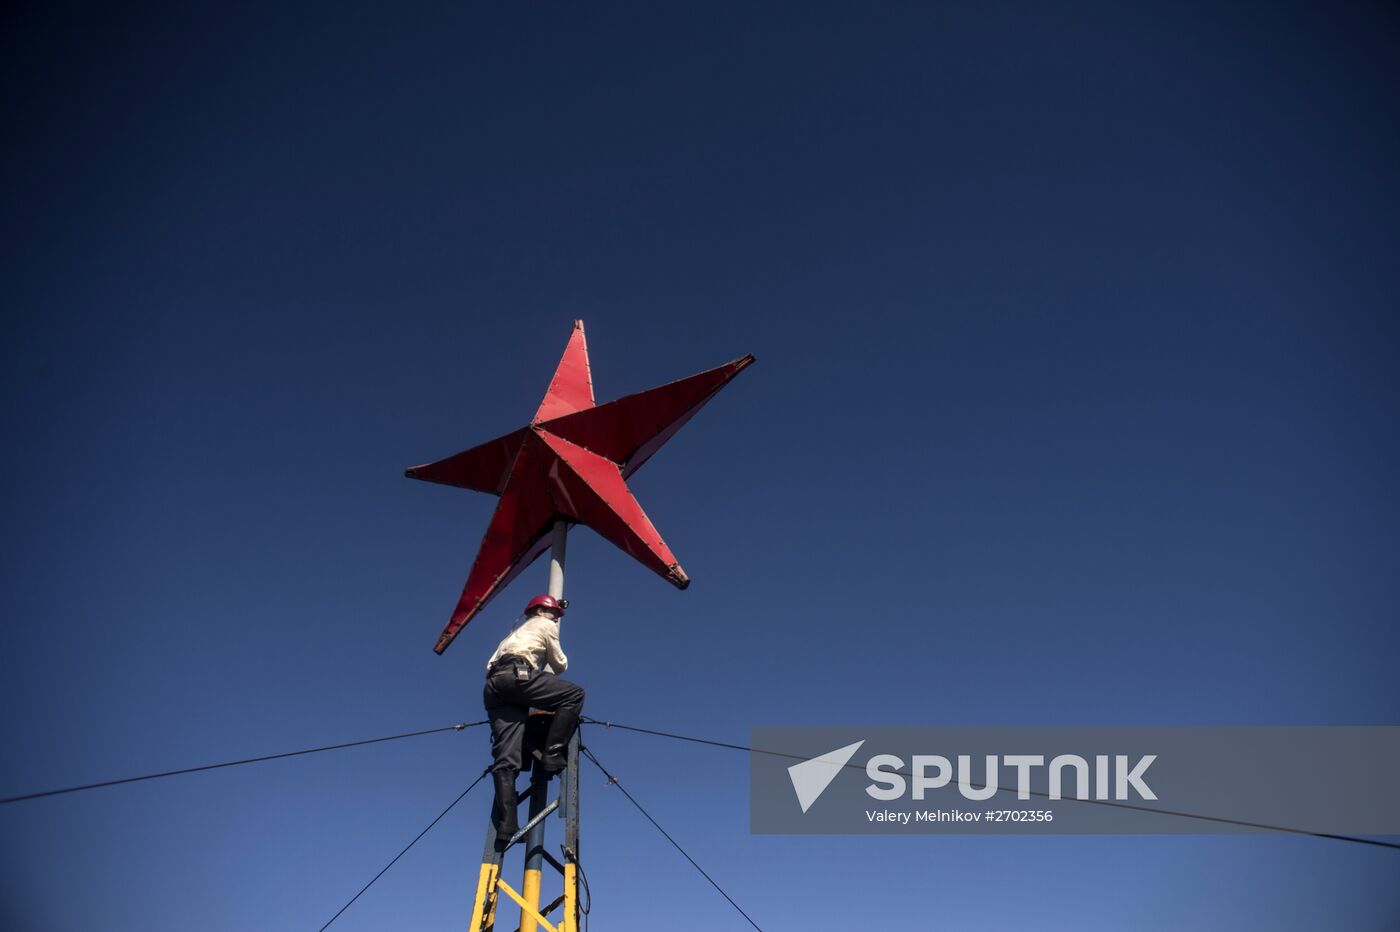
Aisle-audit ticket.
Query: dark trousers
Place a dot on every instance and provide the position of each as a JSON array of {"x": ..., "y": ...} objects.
[{"x": 509, "y": 701}]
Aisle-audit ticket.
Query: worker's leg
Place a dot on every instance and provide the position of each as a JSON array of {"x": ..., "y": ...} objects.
[
  {"x": 507, "y": 735},
  {"x": 565, "y": 700}
]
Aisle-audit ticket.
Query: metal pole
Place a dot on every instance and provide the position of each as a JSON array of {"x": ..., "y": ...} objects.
[
  {"x": 484, "y": 905},
  {"x": 556, "y": 558},
  {"x": 539, "y": 785},
  {"x": 534, "y": 850},
  {"x": 570, "y": 793}
]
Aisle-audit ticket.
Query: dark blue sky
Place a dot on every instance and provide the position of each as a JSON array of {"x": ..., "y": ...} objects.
[{"x": 1075, "y": 403}]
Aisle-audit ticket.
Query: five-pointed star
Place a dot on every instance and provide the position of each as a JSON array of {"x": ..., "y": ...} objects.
[{"x": 572, "y": 462}]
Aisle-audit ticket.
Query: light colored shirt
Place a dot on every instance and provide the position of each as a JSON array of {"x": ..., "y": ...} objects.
[{"x": 537, "y": 640}]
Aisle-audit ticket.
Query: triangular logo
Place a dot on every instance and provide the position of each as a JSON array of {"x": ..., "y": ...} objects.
[{"x": 811, "y": 777}]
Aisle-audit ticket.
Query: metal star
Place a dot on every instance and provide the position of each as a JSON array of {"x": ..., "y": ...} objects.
[{"x": 572, "y": 462}]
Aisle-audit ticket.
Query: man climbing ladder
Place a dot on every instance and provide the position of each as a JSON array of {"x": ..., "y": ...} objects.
[{"x": 521, "y": 675}]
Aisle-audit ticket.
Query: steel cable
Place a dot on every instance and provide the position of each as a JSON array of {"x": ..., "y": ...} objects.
[
  {"x": 234, "y": 763},
  {"x": 1097, "y": 802},
  {"x": 613, "y": 780},
  {"x": 396, "y": 857}
]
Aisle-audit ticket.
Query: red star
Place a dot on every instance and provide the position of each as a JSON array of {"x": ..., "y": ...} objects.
[{"x": 571, "y": 461}]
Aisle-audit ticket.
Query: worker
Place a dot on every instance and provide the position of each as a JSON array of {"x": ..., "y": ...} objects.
[{"x": 521, "y": 675}]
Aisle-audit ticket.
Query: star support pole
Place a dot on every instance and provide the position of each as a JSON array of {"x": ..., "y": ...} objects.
[{"x": 570, "y": 465}]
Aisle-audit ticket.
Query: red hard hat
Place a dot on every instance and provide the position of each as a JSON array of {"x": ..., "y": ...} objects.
[{"x": 546, "y": 601}]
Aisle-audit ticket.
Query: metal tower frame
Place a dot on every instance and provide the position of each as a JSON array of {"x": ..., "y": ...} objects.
[{"x": 490, "y": 884}]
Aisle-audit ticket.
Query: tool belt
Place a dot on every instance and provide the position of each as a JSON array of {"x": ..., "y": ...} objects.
[{"x": 509, "y": 662}]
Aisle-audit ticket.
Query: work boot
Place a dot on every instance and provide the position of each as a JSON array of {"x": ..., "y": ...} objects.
[
  {"x": 505, "y": 816},
  {"x": 560, "y": 729},
  {"x": 555, "y": 758}
]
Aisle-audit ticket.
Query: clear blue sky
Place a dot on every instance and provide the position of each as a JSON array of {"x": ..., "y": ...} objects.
[{"x": 1075, "y": 402}]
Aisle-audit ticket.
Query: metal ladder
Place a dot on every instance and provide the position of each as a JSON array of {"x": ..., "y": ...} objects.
[{"x": 532, "y": 833}]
